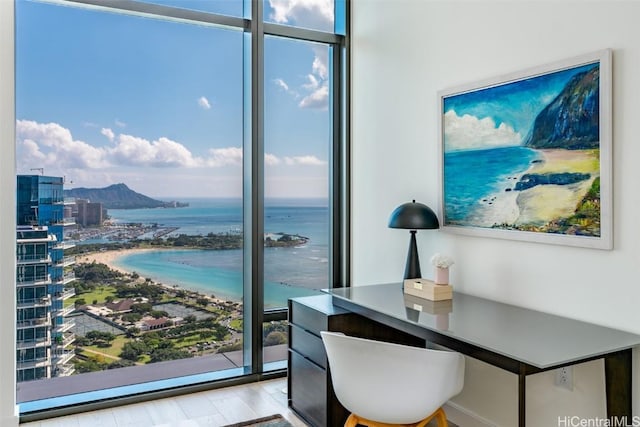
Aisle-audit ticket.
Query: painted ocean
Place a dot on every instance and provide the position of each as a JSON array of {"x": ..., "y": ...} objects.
[
  {"x": 478, "y": 181},
  {"x": 289, "y": 272}
]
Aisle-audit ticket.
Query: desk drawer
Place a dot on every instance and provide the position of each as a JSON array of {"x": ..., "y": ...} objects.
[
  {"x": 310, "y": 384},
  {"x": 308, "y": 345},
  {"x": 308, "y": 318}
]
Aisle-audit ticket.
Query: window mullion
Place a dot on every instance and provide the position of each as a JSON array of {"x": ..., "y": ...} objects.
[{"x": 254, "y": 283}]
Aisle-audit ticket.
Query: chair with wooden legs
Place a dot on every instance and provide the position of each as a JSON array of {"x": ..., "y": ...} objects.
[{"x": 384, "y": 384}]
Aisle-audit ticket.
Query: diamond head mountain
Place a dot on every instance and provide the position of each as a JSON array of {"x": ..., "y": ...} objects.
[{"x": 119, "y": 196}]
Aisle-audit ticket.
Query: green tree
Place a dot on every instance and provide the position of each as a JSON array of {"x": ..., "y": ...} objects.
[
  {"x": 131, "y": 317},
  {"x": 122, "y": 363},
  {"x": 142, "y": 308},
  {"x": 275, "y": 338},
  {"x": 133, "y": 350},
  {"x": 89, "y": 365},
  {"x": 163, "y": 354}
]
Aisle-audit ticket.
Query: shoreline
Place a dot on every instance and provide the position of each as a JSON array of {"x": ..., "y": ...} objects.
[
  {"x": 219, "y": 296},
  {"x": 544, "y": 203},
  {"x": 500, "y": 207},
  {"x": 109, "y": 258}
]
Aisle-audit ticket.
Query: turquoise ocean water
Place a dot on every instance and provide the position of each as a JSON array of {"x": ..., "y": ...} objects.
[
  {"x": 289, "y": 272},
  {"x": 473, "y": 175}
]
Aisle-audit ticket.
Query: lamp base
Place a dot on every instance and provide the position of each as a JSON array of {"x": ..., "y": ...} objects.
[{"x": 412, "y": 269}]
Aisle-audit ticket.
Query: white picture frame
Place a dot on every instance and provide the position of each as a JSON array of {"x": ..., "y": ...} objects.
[{"x": 516, "y": 152}]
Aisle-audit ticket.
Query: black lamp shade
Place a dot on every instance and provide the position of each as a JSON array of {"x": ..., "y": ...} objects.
[{"x": 413, "y": 216}]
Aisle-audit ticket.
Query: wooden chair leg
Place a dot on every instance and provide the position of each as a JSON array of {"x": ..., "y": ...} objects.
[
  {"x": 352, "y": 421},
  {"x": 441, "y": 418},
  {"x": 355, "y": 420},
  {"x": 438, "y": 415}
]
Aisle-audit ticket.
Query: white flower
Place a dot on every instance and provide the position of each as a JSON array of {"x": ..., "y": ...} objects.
[{"x": 442, "y": 261}]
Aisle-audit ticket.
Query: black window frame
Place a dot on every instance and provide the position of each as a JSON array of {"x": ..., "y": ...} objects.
[{"x": 253, "y": 177}]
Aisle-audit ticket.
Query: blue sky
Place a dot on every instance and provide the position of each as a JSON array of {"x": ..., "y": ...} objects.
[
  {"x": 501, "y": 115},
  {"x": 103, "y": 98}
]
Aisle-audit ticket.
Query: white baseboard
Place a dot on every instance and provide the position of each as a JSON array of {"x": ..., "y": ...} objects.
[{"x": 463, "y": 417}]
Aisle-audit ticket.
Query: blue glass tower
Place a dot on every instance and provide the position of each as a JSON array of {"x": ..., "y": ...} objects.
[{"x": 43, "y": 274}]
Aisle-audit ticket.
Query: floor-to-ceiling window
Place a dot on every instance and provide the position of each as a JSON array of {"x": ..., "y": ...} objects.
[{"x": 197, "y": 143}]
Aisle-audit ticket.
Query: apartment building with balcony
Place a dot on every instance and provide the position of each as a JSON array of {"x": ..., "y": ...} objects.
[{"x": 44, "y": 334}]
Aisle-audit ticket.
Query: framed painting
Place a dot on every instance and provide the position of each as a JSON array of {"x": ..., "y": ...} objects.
[{"x": 527, "y": 156}]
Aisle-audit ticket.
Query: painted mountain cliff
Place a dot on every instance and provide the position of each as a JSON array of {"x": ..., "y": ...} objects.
[{"x": 571, "y": 120}]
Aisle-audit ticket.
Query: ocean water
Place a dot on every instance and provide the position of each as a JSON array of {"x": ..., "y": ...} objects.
[
  {"x": 475, "y": 179},
  {"x": 289, "y": 272}
]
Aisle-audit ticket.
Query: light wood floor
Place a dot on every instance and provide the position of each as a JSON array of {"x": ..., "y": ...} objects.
[{"x": 208, "y": 408}]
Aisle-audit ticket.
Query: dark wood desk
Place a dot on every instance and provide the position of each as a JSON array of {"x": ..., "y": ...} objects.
[{"x": 516, "y": 339}]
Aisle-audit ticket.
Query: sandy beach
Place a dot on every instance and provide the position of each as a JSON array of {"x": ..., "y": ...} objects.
[
  {"x": 543, "y": 203},
  {"x": 109, "y": 258}
]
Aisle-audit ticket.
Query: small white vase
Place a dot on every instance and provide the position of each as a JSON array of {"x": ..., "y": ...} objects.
[{"x": 442, "y": 276}]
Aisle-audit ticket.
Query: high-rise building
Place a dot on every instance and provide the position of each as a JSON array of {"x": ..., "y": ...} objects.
[
  {"x": 42, "y": 276},
  {"x": 89, "y": 214}
]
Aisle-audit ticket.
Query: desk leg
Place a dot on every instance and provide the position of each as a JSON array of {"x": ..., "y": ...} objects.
[
  {"x": 522, "y": 388},
  {"x": 617, "y": 377}
]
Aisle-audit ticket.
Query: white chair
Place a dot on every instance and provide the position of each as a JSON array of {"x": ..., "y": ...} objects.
[{"x": 384, "y": 384}]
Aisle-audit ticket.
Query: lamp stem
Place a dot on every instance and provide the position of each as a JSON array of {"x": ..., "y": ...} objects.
[{"x": 412, "y": 270}]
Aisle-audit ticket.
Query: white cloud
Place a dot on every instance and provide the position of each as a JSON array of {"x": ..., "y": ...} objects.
[
  {"x": 53, "y": 145},
  {"x": 224, "y": 156},
  {"x": 313, "y": 84},
  {"x": 469, "y": 132},
  {"x": 304, "y": 160},
  {"x": 317, "y": 82},
  {"x": 134, "y": 151},
  {"x": 318, "y": 99},
  {"x": 204, "y": 103},
  {"x": 271, "y": 160},
  {"x": 282, "y": 84},
  {"x": 316, "y": 87},
  {"x": 120, "y": 123},
  {"x": 32, "y": 151},
  {"x": 171, "y": 153},
  {"x": 315, "y": 14},
  {"x": 320, "y": 62},
  {"x": 108, "y": 133}
]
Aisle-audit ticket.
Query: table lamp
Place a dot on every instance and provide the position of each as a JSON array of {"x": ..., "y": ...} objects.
[{"x": 413, "y": 216}]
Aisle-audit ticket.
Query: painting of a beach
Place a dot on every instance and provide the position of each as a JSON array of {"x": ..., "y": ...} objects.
[{"x": 527, "y": 156}]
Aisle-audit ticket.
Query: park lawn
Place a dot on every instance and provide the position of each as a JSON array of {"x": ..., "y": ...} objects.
[
  {"x": 101, "y": 357},
  {"x": 115, "y": 349},
  {"x": 99, "y": 294},
  {"x": 236, "y": 324},
  {"x": 188, "y": 341}
]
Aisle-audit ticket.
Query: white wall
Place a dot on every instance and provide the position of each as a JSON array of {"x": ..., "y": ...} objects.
[
  {"x": 8, "y": 415},
  {"x": 403, "y": 53}
]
